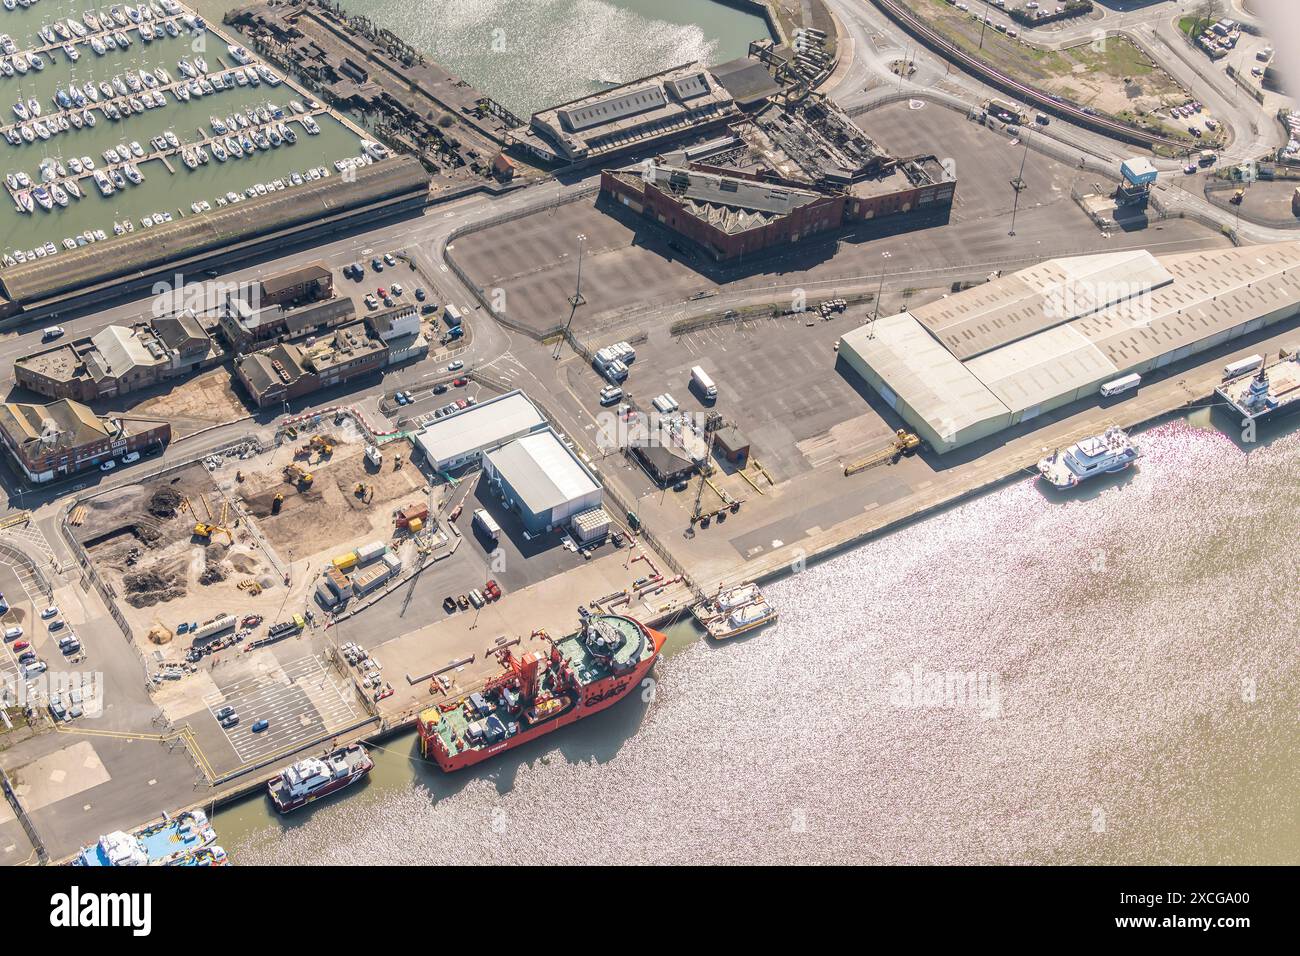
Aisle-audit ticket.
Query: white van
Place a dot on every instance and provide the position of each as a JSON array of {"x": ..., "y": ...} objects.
[
  {"x": 1240, "y": 367},
  {"x": 1132, "y": 380},
  {"x": 52, "y": 332}
]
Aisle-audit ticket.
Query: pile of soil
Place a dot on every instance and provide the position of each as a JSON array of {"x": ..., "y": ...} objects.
[
  {"x": 147, "y": 588},
  {"x": 163, "y": 503}
]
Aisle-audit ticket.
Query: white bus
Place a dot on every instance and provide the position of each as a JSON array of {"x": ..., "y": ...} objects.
[
  {"x": 1240, "y": 367},
  {"x": 1132, "y": 380}
]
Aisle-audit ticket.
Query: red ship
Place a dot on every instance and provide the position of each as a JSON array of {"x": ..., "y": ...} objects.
[{"x": 540, "y": 692}]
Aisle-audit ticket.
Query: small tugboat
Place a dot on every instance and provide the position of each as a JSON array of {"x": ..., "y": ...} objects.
[
  {"x": 316, "y": 777},
  {"x": 734, "y": 611}
]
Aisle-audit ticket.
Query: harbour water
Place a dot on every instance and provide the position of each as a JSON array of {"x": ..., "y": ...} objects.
[
  {"x": 529, "y": 54},
  {"x": 162, "y": 190},
  {"x": 1111, "y": 676}
]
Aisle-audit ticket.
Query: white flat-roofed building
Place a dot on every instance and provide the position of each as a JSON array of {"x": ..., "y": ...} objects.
[{"x": 458, "y": 439}]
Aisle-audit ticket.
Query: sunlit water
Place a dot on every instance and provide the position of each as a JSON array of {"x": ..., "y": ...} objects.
[
  {"x": 1136, "y": 662},
  {"x": 529, "y": 54}
]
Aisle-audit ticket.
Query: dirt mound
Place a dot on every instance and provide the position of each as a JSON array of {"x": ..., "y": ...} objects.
[
  {"x": 163, "y": 503},
  {"x": 244, "y": 563},
  {"x": 149, "y": 587}
]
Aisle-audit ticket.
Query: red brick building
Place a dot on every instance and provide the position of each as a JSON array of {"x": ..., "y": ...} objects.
[{"x": 47, "y": 442}]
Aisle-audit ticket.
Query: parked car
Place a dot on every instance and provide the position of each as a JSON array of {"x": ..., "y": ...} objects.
[
  {"x": 260, "y": 725},
  {"x": 463, "y": 602},
  {"x": 371, "y": 302},
  {"x": 225, "y": 712},
  {"x": 22, "y": 645},
  {"x": 108, "y": 465},
  {"x": 396, "y": 289},
  {"x": 53, "y": 332},
  {"x": 130, "y": 457},
  {"x": 36, "y": 667},
  {"x": 13, "y": 632},
  {"x": 455, "y": 366},
  {"x": 439, "y": 388},
  {"x": 381, "y": 292},
  {"x": 70, "y": 647},
  {"x": 460, "y": 382},
  {"x": 449, "y": 604},
  {"x": 49, "y": 612},
  {"x": 461, "y": 403},
  {"x": 399, "y": 398},
  {"x": 26, "y": 657},
  {"x": 419, "y": 295},
  {"x": 376, "y": 265},
  {"x": 492, "y": 590},
  {"x": 55, "y": 625},
  {"x": 388, "y": 258},
  {"x": 230, "y": 721}
]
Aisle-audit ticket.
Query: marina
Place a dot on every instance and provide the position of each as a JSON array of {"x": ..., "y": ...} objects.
[{"x": 159, "y": 95}]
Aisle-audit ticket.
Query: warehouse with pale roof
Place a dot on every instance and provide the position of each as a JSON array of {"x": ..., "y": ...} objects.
[{"x": 971, "y": 364}]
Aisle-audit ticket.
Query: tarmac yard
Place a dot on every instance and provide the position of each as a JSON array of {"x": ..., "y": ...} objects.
[{"x": 630, "y": 268}]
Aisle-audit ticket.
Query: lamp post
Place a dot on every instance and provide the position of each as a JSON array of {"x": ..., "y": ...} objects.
[{"x": 575, "y": 300}]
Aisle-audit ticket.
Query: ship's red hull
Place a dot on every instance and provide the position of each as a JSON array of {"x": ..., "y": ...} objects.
[
  {"x": 595, "y": 697},
  {"x": 334, "y": 786}
]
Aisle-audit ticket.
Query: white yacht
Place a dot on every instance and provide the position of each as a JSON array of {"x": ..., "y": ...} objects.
[{"x": 1107, "y": 453}]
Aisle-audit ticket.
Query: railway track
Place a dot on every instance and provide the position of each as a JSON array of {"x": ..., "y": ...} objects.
[{"x": 935, "y": 41}]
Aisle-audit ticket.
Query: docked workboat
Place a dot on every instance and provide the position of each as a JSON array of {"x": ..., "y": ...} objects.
[
  {"x": 541, "y": 690},
  {"x": 734, "y": 611},
  {"x": 309, "y": 780},
  {"x": 1265, "y": 393},
  {"x": 172, "y": 842},
  {"x": 1104, "y": 454}
]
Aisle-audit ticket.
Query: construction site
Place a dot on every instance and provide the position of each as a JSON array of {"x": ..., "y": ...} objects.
[
  {"x": 313, "y": 497},
  {"x": 172, "y": 548}
]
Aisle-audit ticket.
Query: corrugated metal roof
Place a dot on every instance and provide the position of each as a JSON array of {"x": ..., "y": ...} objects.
[
  {"x": 1042, "y": 367},
  {"x": 542, "y": 471},
  {"x": 938, "y": 388},
  {"x": 481, "y": 426},
  {"x": 1040, "y": 297}
]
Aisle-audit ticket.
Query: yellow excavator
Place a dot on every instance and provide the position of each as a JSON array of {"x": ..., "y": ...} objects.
[{"x": 297, "y": 475}]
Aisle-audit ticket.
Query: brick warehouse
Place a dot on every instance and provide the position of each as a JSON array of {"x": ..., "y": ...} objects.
[
  {"x": 791, "y": 173},
  {"x": 46, "y": 442}
]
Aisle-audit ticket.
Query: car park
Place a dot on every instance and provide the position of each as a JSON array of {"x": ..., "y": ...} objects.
[{"x": 108, "y": 465}]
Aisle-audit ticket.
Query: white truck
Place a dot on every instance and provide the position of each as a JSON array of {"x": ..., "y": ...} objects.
[
  {"x": 704, "y": 386},
  {"x": 487, "y": 524}
]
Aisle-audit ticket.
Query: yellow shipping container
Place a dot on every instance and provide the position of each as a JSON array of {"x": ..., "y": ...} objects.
[
  {"x": 345, "y": 561},
  {"x": 414, "y": 525}
]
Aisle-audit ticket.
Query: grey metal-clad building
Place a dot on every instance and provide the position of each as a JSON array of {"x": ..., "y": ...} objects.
[
  {"x": 969, "y": 365},
  {"x": 542, "y": 480}
]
